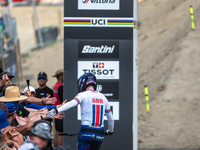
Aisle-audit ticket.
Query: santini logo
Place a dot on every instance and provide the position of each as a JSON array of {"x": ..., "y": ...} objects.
[
  {"x": 98, "y": 1},
  {"x": 102, "y": 49}
]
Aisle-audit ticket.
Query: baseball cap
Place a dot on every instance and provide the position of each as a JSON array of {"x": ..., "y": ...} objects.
[
  {"x": 12, "y": 107},
  {"x": 31, "y": 89},
  {"x": 8, "y": 74},
  {"x": 42, "y": 74},
  {"x": 3, "y": 121},
  {"x": 42, "y": 129}
]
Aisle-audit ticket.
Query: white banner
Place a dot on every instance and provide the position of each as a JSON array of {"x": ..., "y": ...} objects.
[{"x": 101, "y": 69}]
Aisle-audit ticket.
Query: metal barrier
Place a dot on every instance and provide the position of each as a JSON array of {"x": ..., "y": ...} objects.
[
  {"x": 45, "y": 28},
  {"x": 10, "y": 52}
]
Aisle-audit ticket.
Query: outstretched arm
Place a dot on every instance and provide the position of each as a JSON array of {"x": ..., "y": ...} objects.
[
  {"x": 64, "y": 107},
  {"x": 43, "y": 101}
]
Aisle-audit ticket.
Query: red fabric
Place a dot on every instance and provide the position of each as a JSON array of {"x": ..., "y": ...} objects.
[{"x": 55, "y": 92}]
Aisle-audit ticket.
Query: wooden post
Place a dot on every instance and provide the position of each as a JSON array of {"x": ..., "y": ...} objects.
[
  {"x": 3, "y": 63},
  {"x": 60, "y": 23},
  {"x": 18, "y": 78},
  {"x": 20, "y": 59},
  {"x": 34, "y": 28}
]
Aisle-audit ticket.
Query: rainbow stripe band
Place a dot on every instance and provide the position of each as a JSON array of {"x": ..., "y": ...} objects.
[
  {"x": 100, "y": 22},
  {"x": 77, "y": 21}
]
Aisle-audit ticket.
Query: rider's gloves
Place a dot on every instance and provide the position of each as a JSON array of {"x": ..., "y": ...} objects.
[
  {"x": 52, "y": 112},
  {"x": 108, "y": 133}
]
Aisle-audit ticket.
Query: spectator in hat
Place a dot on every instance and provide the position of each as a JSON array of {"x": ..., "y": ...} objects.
[
  {"x": 5, "y": 79},
  {"x": 12, "y": 108},
  {"x": 9, "y": 76},
  {"x": 41, "y": 137},
  {"x": 58, "y": 93},
  {"x": 3, "y": 121},
  {"x": 31, "y": 92},
  {"x": 12, "y": 94},
  {"x": 32, "y": 105},
  {"x": 6, "y": 135},
  {"x": 43, "y": 90}
]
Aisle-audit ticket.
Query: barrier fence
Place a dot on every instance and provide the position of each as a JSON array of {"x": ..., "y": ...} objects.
[
  {"x": 24, "y": 33},
  {"x": 10, "y": 52}
]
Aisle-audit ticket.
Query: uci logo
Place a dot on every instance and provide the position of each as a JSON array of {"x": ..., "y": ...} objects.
[
  {"x": 85, "y": 1},
  {"x": 98, "y": 21}
]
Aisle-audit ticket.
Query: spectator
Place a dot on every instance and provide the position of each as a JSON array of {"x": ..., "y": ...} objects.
[
  {"x": 43, "y": 90},
  {"x": 8, "y": 134},
  {"x": 3, "y": 121},
  {"x": 5, "y": 79},
  {"x": 12, "y": 94},
  {"x": 41, "y": 137},
  {"x": 58, "y": 93},
  {"x": 32, "y": 105},
  {"x": 5, "y": 141},
  {"x": 4, "y": 108}
]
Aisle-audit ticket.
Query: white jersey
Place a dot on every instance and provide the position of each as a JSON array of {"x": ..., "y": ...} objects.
[{"x": 94, "y": 106}]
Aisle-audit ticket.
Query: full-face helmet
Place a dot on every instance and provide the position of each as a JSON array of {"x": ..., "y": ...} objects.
[{"x": 85, "y": 80}]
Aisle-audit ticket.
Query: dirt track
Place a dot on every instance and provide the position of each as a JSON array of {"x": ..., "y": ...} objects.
[
  {"x": 169, "y": 64},
  {"x": 169, "y": 58}
]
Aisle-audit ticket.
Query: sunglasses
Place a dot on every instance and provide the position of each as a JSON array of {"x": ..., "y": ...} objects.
[
  {"x": 10, "y": 79},
  {"x": 41, "y": 78}
]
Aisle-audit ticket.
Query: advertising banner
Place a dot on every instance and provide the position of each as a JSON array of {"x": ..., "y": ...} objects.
[{"x": 98, "y": 39}]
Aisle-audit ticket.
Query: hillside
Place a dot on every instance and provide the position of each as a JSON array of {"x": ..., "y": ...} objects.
[
  {"x": 169, "y": 64},
  {"x": 169, "y": 58}
]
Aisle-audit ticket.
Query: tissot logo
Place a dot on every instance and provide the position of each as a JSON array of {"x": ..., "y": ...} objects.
[
  {"x": 98, "y": 65},
  {"x": 98, "y": 49},
  {"x": 102, "y": 70}
]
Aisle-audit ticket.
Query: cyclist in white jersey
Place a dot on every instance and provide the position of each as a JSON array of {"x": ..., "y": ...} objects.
[{"x": 94, "y": 106}]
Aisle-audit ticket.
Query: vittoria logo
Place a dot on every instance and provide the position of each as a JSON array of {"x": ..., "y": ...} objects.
[
  {"x": 99, "y": 1},
  {"x": 98, "y": 4},
  {"x": 85, "y": 1}
]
